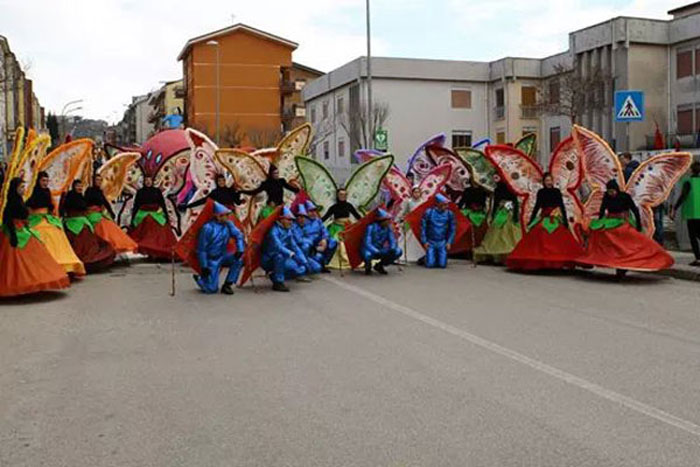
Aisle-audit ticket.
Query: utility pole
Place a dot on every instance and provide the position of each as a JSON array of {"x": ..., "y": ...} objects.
[
  {"x": 218, "y": 87},
  {"x": 370, "y": 129}
]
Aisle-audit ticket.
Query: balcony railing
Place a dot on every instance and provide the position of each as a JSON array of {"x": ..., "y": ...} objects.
[
  {"x": 528, "y": 111},
  {"x": 499, "y": 112},
  {"x": 674, "y": 140}
]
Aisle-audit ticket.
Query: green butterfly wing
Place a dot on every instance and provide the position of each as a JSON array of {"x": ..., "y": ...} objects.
[
  {"x": 481, "y": 168},
  {"x": 527, "y": 144},
  {"x": 317, "y": 181},
  {"x": 365, "y": 182}
]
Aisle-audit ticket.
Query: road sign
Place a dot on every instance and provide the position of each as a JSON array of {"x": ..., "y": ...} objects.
[
  {"x": 629, "y": 106},
  {"x": 381, "y": 139}
]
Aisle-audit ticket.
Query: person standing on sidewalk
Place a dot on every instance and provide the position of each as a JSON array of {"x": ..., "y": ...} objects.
[{"x": 690, "y": 201}]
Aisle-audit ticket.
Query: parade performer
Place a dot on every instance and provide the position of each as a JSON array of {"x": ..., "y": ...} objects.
[
  {"x": 323, "y": 247},
  {"x": 305, "y": 242},
  {"x": 213, "y": 254},
  {"x": 549, "y": 244},
  {"x": 472, "y": 203},
  {"x": 104, "y": 226},
  {"x": 50, "y": 228},
  {"x": 689, "y": 200},
  {"x": 227, "y": 196},
  {"x": 282, "y": 258},
  {"x": 504, "y": 230},
  {"x": 274, "y": 187},
  {"x": 26, "y": 266},
  {"x": 379, "y": 243},
  {"x": 150, "y": 226},
  {"x": 616, "y": 242},
  {"x": 95, "y": 253},
  {"x": 438, "y": 229}
]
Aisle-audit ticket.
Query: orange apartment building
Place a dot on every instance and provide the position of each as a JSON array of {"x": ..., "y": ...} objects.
[{"x": 259, "y": 86}]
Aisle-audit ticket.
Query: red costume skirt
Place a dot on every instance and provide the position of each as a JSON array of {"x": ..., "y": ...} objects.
[
  {"x": 95, "y": 253},
  {"x": 540, "y": 249},
  {"x": 154, "y": 240},
  {"x": 624, "y": 247},
  {"x": 29, "y": 269}
]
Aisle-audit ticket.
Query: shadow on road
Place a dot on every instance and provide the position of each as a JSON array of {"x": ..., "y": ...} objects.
[{"x": 34, "y": 299}]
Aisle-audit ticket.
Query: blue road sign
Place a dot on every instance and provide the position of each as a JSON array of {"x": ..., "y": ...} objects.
[{"x": 629, "y": 106}]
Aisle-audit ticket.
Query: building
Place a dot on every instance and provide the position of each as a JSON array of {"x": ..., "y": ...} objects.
[
  {"x": 506, "y": 98},
  {"x": 135, "y": 127},
  {"x": 19, "y": 105},
  {"x": 246, "y": 77},
  {"x": 167, "y": 102}
]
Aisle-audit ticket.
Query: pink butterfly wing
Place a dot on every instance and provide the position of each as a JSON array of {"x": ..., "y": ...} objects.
[
  {"x": 600, "y": 163},
  {"x": 459, "y": 178},
  {"x": 566, "y": 167},
  {"x": 434, "y": 181}
]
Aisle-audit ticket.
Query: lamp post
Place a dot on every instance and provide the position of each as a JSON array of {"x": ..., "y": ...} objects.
[
  {"x": 369, "y": 78},
  {"x": 218, "y": 87},
  {"x": 65, "y": 111}
]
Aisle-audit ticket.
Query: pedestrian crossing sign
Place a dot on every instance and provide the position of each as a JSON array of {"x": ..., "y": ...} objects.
[{"x": 629, "y": 106}]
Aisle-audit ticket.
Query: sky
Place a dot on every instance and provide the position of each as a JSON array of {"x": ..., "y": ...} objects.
[{"x": 105, "y": 51}]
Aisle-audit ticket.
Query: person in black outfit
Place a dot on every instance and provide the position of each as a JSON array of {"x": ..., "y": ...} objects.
[
  {"x": 616, "y": 202},
  {"x": 151, "y": 196},
  {"x": 15, "y": 209},
  {"x": 473, "y": 198},
  {"x": 342, "y": 209},
  {"x": 41, "y": 195},
  {"x": 503, "y": 194},
  {"x": 73, "y": 203},
  {"x": 549, "y": 197},
  {"x": 274, "y": 187},
  {"x": 95, "y": 197},
  {"x": 222, "y": 194}
]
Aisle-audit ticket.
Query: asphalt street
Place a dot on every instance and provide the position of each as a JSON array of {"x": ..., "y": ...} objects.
[{"x": 462, "y": 367}]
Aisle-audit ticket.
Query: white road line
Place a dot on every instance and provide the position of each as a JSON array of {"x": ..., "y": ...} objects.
[{"x": 596, "y": 389}]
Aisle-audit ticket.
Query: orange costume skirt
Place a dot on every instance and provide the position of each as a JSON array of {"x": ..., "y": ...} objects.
[
  {"x": 29, "y": 267},
  {"x": 109, "y": 231}
]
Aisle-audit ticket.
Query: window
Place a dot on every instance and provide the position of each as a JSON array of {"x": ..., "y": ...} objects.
[
  {"x": 500, "y": 98},
  {"x": 326, "y": 150},
  {"x": 685, "y": 121},
  {"x": 501, "y": 137},
  {"x": 325, "y": 110},
  {"x": 461, "y": 139},
  {"x": 554, "y": 137},
  {"x": 341, "y": 147},
  {"x": 461, "y": 99},
  {"x": 341, "y": 106},
  {"x": 684, "y": 64},
  {"x": 313, "y": 114},
  {"x": 697, "y": 61},
  {"x": 528, "y": 95},
  {"x": 554, "y": 91}
]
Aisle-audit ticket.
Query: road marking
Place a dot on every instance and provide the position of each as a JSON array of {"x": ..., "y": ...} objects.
[{"x": 596, "y": 389}]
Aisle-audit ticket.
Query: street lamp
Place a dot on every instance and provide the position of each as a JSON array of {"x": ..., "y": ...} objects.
[
  {"x": 218, "y": 86},
  {"x": 65, "y": 111}
]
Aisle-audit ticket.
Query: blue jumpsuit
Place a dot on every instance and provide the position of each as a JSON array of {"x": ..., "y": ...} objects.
[
  {"x": 212, "y": 253},
  {"x": 437, "y": 230},
  {"x": 306, "y": 245},
  {"x": 277, "y": 257},
  {"x": 315, "y": 231},
  {"x": 380, "y": 243}
]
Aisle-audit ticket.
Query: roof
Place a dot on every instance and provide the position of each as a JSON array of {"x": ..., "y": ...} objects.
[
  {"x": 232, "y": 29},
  {"x": 307, "y": 68},
  {"x": 683, "y": 8}
]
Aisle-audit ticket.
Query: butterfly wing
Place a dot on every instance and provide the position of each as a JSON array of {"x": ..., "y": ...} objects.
[
  {"x": 296, "y": 143},
  {"x": 248, "y": 172},
  {"x": 652, "y": 182},
  {"x": 170, "y": 179},
  {"x": 114, "y": 173},
  {"x": 365, "y": 182},
  {"x": 203, "y": 168},
  {"x": 420, "y": 164},
  {"x": 527, "y": 144},
  {"x": 459, "y": 177},
  {"x": 318, "y": 182},
  {"x": 434, "y": 182},
  {"x": 566, "y": 167},
  {"x": 12, "y": 167},
  {"x": 520, "y": 172},
  {"x": 64, "y": 164},
  {"x": 481, "y": 168},
  {"x": 32, "y": 156}
]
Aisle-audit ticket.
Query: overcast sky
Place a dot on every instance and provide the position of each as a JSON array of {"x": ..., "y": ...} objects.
[{"x": 105, "y": 51}]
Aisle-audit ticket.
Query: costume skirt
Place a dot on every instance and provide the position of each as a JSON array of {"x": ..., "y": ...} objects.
[
  {"x": 548, "y": 245},
  {"x": 153, "y": 239},
  {"x": 500, "y": 239},
  {"x": 56, "y": 242}
]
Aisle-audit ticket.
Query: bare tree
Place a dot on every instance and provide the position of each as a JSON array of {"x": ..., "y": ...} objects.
[
  {"x": 263, "y": 137},
  {"x": 572, "y": 94},
  {"x": 232, "y": 135},
  {"x": 354, "y": 122}
]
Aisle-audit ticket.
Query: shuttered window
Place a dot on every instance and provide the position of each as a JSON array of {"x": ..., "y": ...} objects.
[
  {"x": 684, "y": 64},
  {"x": 685, "y": 121},
  {"x": 461, "y": 99}
]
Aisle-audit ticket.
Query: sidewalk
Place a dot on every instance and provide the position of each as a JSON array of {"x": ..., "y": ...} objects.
[{"x": 682, "y": 269}]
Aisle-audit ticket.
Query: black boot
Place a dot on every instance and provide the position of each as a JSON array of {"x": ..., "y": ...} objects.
[
  {"x": 380, "y": 269},
  {"x": 226, "y": 289},
  {"x": 325, "y": 270},
  {"x": 279, "y": 287},
  {"x": 368, "y": 268}
]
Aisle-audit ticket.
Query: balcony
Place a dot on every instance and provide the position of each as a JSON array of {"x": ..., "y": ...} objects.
[
  {"x": 674, "y": 140},
  {"x": 499, "y": 112},
  {"x": 288, "y": 87},
  {"x": 528, "y": 111}
]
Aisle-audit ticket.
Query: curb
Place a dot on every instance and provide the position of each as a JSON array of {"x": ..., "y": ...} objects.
[{"x": 681, "y": 274}]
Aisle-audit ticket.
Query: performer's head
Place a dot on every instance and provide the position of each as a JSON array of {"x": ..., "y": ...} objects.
[
  {"x": 16, "y": 187},
  {"x": 441, "y": 201},
  {"x": 97, "y": 180},
  {"x": 43, "y": 180},
  {"x": 416, "y": 192},
  {"x": 220, "y": 181},
  {"x": 695, "y": 168},
  {"x": 341, "y": 194},
  {"x": 148, "y": 181},
  {"x": 302, "y": 214},
  {"x": 273, "y": 172},
  {"x": 287, "y": 218},
  {"x": 312, "y": 210},
  {"x": 221, "y": 212},
  {"x": 612, "y": 188},
  {"x": 625, "y": 158},
  {"x": 547, "y": 180},
  {"x": 77, "y": 185},
  {"x": 383, "y": 217}
]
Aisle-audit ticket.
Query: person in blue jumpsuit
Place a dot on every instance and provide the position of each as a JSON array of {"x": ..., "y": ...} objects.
[
  {"x": 213, "y": 255},
  {"x": 281, "y": 256},
  {"x": 380, "y": 244},
  {"x": 323, "y": 246},
  {"x": 437, "y": 233},
  {"x": 304, "y": 241}
]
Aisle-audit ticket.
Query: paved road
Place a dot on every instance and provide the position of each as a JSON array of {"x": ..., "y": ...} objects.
[{"x": 464, "y": 367}]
